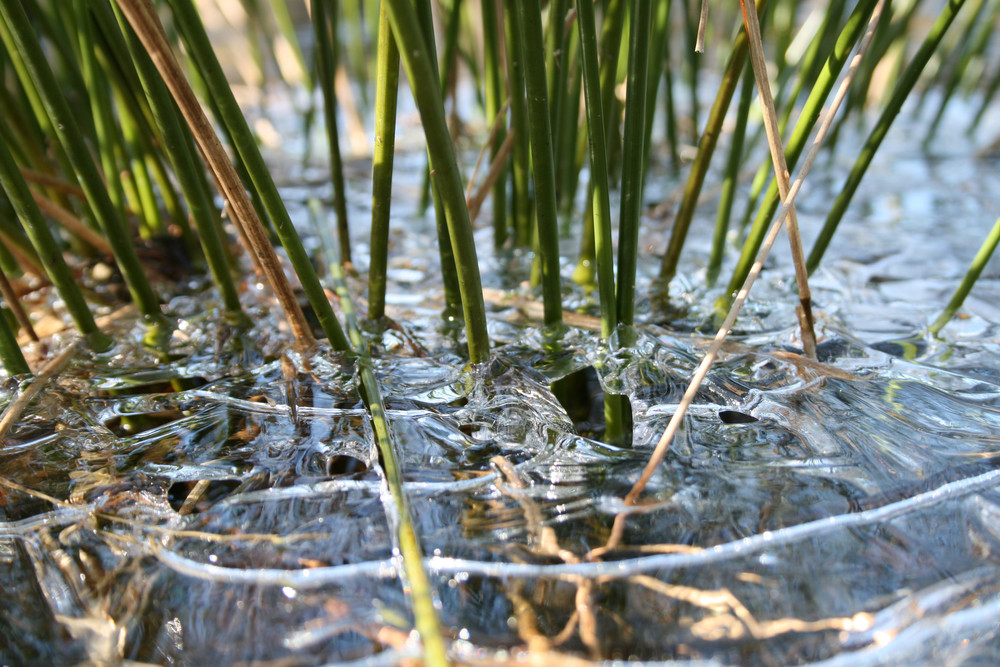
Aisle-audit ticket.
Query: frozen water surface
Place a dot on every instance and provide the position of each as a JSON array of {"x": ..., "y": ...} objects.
[{"x": 226, "y": 506}]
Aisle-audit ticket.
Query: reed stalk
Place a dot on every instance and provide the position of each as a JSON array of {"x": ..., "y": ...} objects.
[
  {"x": 633, "y": 153},
  {"x": 107, "y": 136},
  {"x": 706, "y": 148},
  {"x": 414, "y": 574},
  {"x": 542, "y": 161},
  {"x": 416, "y": 59},
  {"x": 386, "y": 94},
  {"x": 658, "y": 46},
  {"x": 569, "y": 160},
  {"x": 144, "y": 20},
  {"x": 670, "y": 113},
  {"x": 796, "y": 143},
  {"x": 17, "y": 245},
  {"x": 610, "y": 47},
  {"x": 48, "y": 250},
  {"x": 151, "y": 224},
  {"x": 494, "y": 95},
  {"x": 16, "y": 308},
  {"x": 608, "y": 51},
  {"x": 8, "y": 262},
  {"x": 197, "y": 43},
  {"x": 186, "y": 168},
  {"x": 902, "y": 90},
  {"x": 325, "y": 25},
  {"x": 10, "y": 351},
  {"x": 20, "y": 39},
  {"x": 286, "y": 28},
  {"x": 521, "y": 157},
  {"x": 770, "y": 114},
  {"x": 673, "y": 426},
  {"x": 978, "y": 264},
  {"x": 600, "y": 203},
  {"x": 973, "y": 41},
  {"x": 693, "y": 54},
  {"x": 730, "y": 180},
  {"x": 449, "y": 272},
  {"x": 809, "y": 72}
]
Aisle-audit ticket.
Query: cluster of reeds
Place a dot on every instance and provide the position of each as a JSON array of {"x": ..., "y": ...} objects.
[{"x": 105, "y": 146}]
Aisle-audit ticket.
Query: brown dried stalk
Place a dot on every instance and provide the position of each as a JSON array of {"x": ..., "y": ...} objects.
[{"x": 142, "y": 16}]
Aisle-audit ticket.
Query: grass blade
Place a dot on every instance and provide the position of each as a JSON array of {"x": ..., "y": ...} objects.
[
  {"x": 386, "y": 94},
  {"x": 978, "y": 264},
  {"x": 759, "y": 67},
  {"x": 196, "y": 41},
  {"x": 900, "y": 93},
  {"x": 48, "y": 250},
  {"x": 495, "y": 96},
  {"x": 542, "y": 161},
  {"x": 145, "y": 22},
  {"x": 633, "y": 152},
  {"x": 416, "y": 60},
  {"x": 20, "y": 39},
  {"x": 187, "y": 169},
  {"x": 706, "y": 148},
  {"x": 324, "y": 23}
]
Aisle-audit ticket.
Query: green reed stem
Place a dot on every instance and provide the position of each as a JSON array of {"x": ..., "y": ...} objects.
[
  {"x": 386, "y": 94},
  {"x": 196, "y": 40},
  {"x": 568, "y": 164},
  {"x": 186, "y": 168},
  {"x": 691, "y": 62},
  {"x": 48, "y": 250},
  {"x": 152, "y": 223},
  {"x": 493, "y": 77},
  {"x": 286, "y": 26},
  {"x": 53, "y": 20},
  {"x": 555, "y": 57},
  {"x": 10, "y": 351},
  {"x": 542, "y": 161},
  {"x": 809, "y": 72},
  {"x": 812, "y": 61},
  {"x": 21, "y": 131},
  {"x": 989, "y": 91},
  {"x": 449, "y": 272},
  {"x": 601, "y": 200},
  {"x": 446, "y": 70},
  {"x": 16, "y": 243},
  {"x": 325, "y": 26},
  {"x": 20, "y": 39},
  {"x": 417, "y": 61},
  {"x": 730, "y": 180},
  {"x": 706, "y": 148},
  {"x": 658, "y": 44},
  {"x": 974, "y": 39},
  {"x": 670, "y": 112},
  {"x": 138, "y": 121},
  {"x": 109, "y": 141},
  {"x": 900, "y": 93},
  {"x": 600, "y": 203},
  {"x": 978, "y": 264},
  {"x": 610, "y": 47},
  {"x": 633, "y": 152},
  {"x": 521, "y": 154},
  {"x": 352, "y": 14},
  {"x": 797, "y": 142},
  {"x": 420, "y": 590}
]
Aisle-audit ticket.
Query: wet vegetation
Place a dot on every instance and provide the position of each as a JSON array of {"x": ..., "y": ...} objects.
[{"x": 288, "y": 379}]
